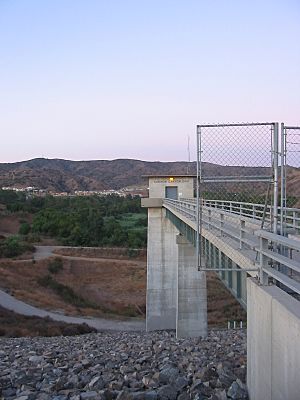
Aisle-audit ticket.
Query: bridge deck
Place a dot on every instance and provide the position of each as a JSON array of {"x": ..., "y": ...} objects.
[{"x": 234, "y": 231}]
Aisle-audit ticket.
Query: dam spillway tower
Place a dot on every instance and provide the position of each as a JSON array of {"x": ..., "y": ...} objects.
[{"x": 176, "y": 290}]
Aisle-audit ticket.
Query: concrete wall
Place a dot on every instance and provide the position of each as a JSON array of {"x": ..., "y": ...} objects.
[
  {"x": 157, "y": 186},
  {"x": 162, "y": 259},
  {"x": 191, "y": 319},
  {"x": 273, "y": 343}
]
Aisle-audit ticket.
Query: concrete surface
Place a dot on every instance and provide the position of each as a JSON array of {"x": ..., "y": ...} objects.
[
  {"x": 161, "y": 272},
  {"x": 191, "y": 317},
  {"x": 146, "y": 202},
  {"x": 42, "y": 252},
  {"x": 185, "y": 186},
  {"x": 273, "y": 343}
]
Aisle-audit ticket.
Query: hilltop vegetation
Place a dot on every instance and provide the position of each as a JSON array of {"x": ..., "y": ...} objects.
[{"x": 81, "y": 221}]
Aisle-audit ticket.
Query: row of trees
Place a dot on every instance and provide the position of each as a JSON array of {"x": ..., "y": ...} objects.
[{"x": 82, "y": 221}]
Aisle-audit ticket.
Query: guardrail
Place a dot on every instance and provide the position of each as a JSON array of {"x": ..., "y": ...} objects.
[
  {"x": 291, "y": 216},
  {"x": 237, "y": 227},
  {"x": 275, "y": 254},
  {"x": 278, "y": 255}
]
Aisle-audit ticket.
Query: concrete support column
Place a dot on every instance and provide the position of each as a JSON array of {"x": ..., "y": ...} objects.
[
  {"x": 273, "y": 343},
  {"x": 162, "y": 259},
  {"x": 191, "y": 317}
]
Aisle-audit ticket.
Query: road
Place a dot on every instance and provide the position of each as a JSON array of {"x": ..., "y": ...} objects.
[{"x": 9, "y": 302}]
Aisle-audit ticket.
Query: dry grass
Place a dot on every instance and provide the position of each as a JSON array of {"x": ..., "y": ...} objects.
[
  {"x": 119, "y": 253},
  {"x": 15, "y": 325},
  {"x": 221, "y": 305},
  {"x": 10, "y": 224},
  {"x": 116, "y": 287}
]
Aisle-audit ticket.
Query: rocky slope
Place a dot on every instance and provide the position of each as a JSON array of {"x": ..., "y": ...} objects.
[{"x": 124, "y": 366}]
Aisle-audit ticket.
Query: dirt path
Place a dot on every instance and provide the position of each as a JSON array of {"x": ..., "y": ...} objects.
[
  {"x": 42, "y": 252},
  {"x": 9, "y": 302}
]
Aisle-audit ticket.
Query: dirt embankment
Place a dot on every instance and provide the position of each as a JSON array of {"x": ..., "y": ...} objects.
[
  {"x": 10, "y": 223},
  {"x": 15, "y": 325},
  {"x": 103, "y": 252},
  {"x": 115, "y": 288}
]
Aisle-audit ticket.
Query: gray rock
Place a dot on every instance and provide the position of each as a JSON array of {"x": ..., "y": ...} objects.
[
  {"x": 183, "y": 396},
  {"x": 72, "y": 382},
  {"x": 125, "y": 395},
  {"x": 148, "y": 381},
  {"x": 221, "y": 395},
  {"x": 151, "y": 395},
  {"x": 196, "y": 386},
  {"x": 89, "y": 396},
  {"x": 36, "y": 359},
  {"x": 236, "y": 392},
  {"x": 180, "y": 383},
  {"x": 135, "y": 366},
  {"x": 167, "y": 392},
  {"x": 209, "y": 373},
  {"x": 97, "y": 382},
  {"x": 168, "y": 374},
  {"x": 226, "y": 376}
]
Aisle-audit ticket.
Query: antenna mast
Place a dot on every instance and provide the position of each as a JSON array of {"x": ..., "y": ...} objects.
[{"x": 189, "y": 155}]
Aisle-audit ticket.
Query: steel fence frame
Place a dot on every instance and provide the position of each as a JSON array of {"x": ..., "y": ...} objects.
[
  {"x": 272, "y": 179},
  {"x": 286, "y": 132}
]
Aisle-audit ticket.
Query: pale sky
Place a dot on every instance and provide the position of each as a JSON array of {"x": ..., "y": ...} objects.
[{"x": 95, "y": 79}]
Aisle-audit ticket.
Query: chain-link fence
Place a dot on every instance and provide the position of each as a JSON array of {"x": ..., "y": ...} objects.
[
  {"x": 245, "y": 172},
  {"x": 237, "y": 171},
  {"x": 236, "y": 162},
  {"x": 291, "y": 161}
]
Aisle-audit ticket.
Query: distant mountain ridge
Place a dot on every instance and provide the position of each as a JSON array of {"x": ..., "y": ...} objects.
[{"x": 68, "y": 176}]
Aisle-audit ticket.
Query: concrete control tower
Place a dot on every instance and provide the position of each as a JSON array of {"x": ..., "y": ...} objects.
[{"x": 176, "y": 290}]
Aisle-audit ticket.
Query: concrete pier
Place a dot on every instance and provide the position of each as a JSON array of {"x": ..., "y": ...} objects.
[
  {"x": 162, "y": 259},
  {"x": 176, "y": 290},
  {"x": 191, "y": 316}
]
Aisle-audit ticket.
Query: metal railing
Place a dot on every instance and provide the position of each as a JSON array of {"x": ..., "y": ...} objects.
[
  {"x": 254, "y": 211},
  {"x": 235, "y": 226},
  {"x": 275, "y": 254},
  {"x": 276, "y": 257}
]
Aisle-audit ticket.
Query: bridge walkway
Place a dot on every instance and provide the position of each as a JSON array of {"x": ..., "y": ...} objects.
[{"x": 235, "y": 237}]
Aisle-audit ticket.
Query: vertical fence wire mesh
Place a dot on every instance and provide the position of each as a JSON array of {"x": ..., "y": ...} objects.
[
  {"x": 236, "y": 186},
  {"x": 292, "y": 166},
  {"x": 241, "y": 153},
  {"x": 290, "y": 195}
]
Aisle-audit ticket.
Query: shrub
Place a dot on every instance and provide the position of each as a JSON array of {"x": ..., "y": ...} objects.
[
  {"x": 16, "y": 325},
  {"x": 65, "y": 292},
  {"x": 13, "y": 246},
  {"x": 55, "y": 265},
  {"x": 33, "y": 238},
  {"x": 24, "y": 228}
]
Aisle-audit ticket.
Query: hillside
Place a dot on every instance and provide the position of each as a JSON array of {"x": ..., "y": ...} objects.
[{"x": 64, "y": 175}]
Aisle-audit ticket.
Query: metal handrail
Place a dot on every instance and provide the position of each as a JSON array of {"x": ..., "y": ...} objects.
[
  {"x": 235, "y": 227},
  {"x": 271, "y": 248},
  {"x": 252, "y": 210},
  {"x": 272, "y": 259}
]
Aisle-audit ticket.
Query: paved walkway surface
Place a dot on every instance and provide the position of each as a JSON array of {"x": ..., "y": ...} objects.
[
  {"x": 11, "y": 303},
  {"x": 42, "y": 252}
]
